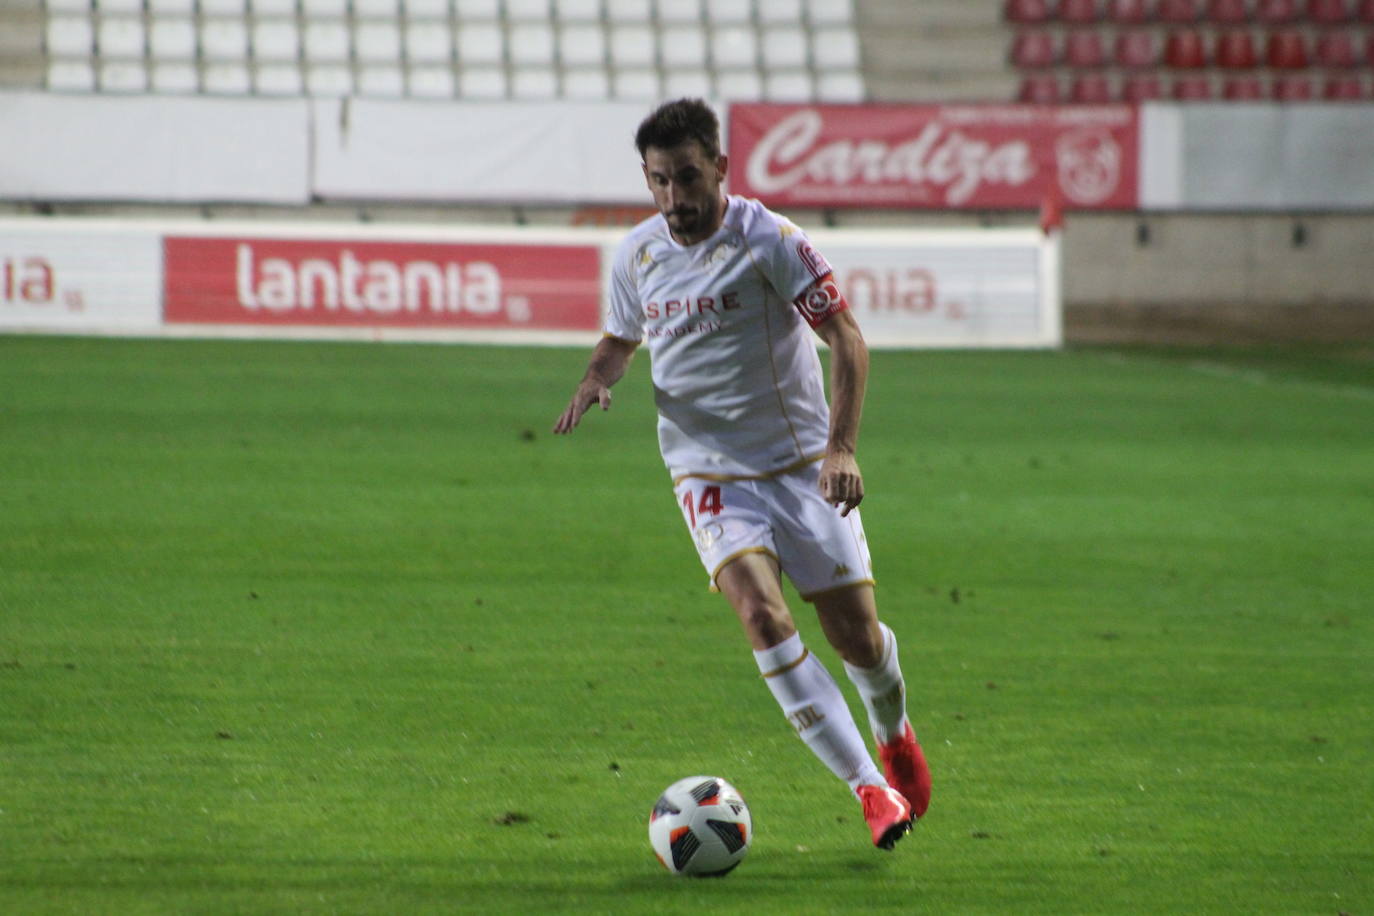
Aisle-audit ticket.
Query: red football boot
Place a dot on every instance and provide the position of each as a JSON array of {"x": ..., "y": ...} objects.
[
  {"x": 888, "y": 814},
  {"x": 905, "y": 767}
]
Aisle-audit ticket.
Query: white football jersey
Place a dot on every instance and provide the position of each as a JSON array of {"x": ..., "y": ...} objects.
[{"x": 736, "y": 375}]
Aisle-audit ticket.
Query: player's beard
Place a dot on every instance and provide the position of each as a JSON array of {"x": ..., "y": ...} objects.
[{"x": 689, "y": 222}]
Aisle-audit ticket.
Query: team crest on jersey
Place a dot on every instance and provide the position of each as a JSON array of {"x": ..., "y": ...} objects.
[
  {"x": 813, "y": 260},
  {"x": 721, "y": 252}
]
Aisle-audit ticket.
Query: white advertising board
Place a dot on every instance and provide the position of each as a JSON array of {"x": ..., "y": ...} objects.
[{"x": 956, "y": 288}]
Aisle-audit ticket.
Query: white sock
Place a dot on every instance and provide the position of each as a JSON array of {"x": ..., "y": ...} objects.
[
  {"x": 814, "y": 706},
  {"x": 883, "y": 691}
]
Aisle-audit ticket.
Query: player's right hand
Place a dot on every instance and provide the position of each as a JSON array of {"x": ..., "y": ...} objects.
[{"x": 587, "y": 394}]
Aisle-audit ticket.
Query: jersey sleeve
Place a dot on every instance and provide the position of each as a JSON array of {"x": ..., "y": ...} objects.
[
  {"x": 624, "y": 314},
  {"x": 802, "y": 275}
]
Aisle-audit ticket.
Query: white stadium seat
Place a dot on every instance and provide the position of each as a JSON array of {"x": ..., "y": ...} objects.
[
  {"x": 430, "y": 82},
  {"x": 482, "y": 83},
  {"x": 69, "y": 6},
  {"x": 278, "y": 79},
  {"x": 326, "y": 41},
  {"x": 734, "y": 46},
  {"x": 172, "y": 39},
  {"x": 840, "y": 86},
  {"x": 789, "y": 86},
  {"x": 427, "y": 9},
  {"x": 377, "y": 41},
  {"x": 223, "y": 39},
  {"x": 172, "y": 7},
  {"x": 324, "y": 9},
  {"x": 528, "y": 10},
  {"x": 683, "y": 45},
  {"x": 223, "y": 7},
  {"x": 581, "y": 45},
  {"x": 119, "y": 36},
  {"x": 684, "y": 82},
  {"x": 534, "y": 83},
  {"x": 835, "y": 49},
  {"x": 629, "y": 11},
  {"x": 480, "y": 43},
  {"x": 123, "y": 76},
  {"x": 532, "y": 43},
  {"x": 279, "y": 8},
  {"x": 175, "y": 76},
  {"x": 636, "y": 84},
  {"x": 780, "y": 12},
  {"x": 784, "y": 49},
  {"x": 227, "y": 79},
  {"x": 725, "y": 12},
  {"x": 276, "y": 39},
  {"x": 477, "y": 9},
  {"x": 830, "y": 12},
  {"x": 118, "y": 7},
  {"x": 633, "y": 45},
  {"x": 739, "y": 85},
  {"x": 671, "y": 11},
  {"x": 428, "y": 42},
  {"x": 329, "y": 80},
  {"x": 591, "y": 84},
  {"x": 74, "y": 75},
  {"x": 382, "y": 81},
  {"x": 376, "y": 9},
  {"x": 577, "y": 10},
  {"x": 71, "y": 36}
]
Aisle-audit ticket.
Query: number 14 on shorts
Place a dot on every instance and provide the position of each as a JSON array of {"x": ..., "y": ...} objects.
[{"x": 709, "y": 503}]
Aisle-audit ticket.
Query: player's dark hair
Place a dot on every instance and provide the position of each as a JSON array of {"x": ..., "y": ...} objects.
[{"x": 674, "y": 123}]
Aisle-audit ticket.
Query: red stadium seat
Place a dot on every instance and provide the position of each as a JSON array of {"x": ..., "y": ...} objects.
[
  {"x": 1142, "y": 87},
  {"x": 1294, "y": 88},
  {"x": 1091, "y": 88},
  {"x": 1286, "y": 50},
  {"x": 1185, "y": 49},
  {"x": 1346, "y": 88},
  {"x": 1328, "y": 12},
  {"x": 1336, "y": 49},
  {"x": 1136, "y": 49},
  {"x": 1192, "y": 89},
  {"x": 1365, "y": 11},
  {"x": 1277, "y": 12},
  {"x": 1083, "y": 48},
  {"x": 1128, "y": 12},
  {"x": 1243, "y": 89},
  {"x": 1039, "y": 89},
  {"x": 1034, "y": 49},
  {"x": 1078, "y": 11},
  {"x": 1177, "y": 10},
  {"x": 1027, "y": 11},
  {"x": 1227, "y": 11},
  {"x": 1236, "y": 50}
]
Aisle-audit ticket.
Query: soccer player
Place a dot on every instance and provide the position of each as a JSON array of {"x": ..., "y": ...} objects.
[{"x": 727, "y": 294}]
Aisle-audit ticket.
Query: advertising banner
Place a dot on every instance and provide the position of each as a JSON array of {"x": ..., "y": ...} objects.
[
  {"x": 935, "y": 156},
  {"x": 359, "y": 282},
  {"x": 951, "y": 288},
  {"x": 59, "y": 277}
]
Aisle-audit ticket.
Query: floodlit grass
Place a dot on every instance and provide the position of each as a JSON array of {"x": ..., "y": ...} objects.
[{"x": 292, "y": 628}]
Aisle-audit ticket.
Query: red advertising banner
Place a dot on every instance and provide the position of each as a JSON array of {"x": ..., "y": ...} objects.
[
  {"x": 395, "y": 284},
  {"x": 945, "y": 156}
]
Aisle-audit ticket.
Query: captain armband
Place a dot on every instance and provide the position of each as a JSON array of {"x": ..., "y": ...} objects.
[{"x": 820, "y": 301}]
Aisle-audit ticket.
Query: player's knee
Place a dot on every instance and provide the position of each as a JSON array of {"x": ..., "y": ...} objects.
[{"x": 768, "y": 622}]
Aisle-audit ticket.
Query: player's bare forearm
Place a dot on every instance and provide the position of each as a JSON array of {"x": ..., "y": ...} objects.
[
  {"x": 841, "y": 480},
  {"x": 606, "y": 367}
]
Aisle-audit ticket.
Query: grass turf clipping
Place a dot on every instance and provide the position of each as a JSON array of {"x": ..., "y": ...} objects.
[{"x": 292, "y": 627}]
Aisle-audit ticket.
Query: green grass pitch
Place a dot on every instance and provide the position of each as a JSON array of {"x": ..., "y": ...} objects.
[{"x": 333, "y": 628}]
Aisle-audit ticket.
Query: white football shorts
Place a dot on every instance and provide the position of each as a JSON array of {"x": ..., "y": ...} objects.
[{"x": 784, "y": 516}]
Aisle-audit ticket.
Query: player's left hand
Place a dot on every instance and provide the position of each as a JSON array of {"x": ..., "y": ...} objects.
[{"x": 842, "y": 484}]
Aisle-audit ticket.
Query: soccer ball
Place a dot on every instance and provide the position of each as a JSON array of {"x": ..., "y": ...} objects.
[{"x": 700, "y": 826}]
